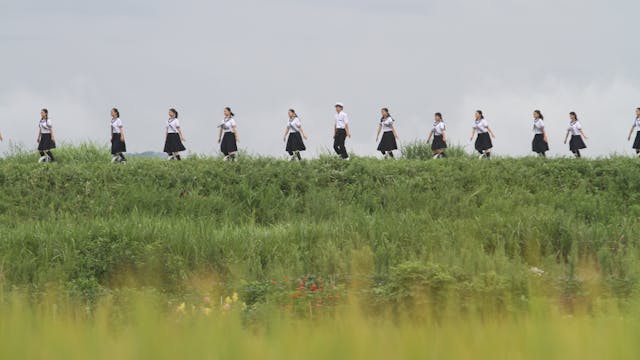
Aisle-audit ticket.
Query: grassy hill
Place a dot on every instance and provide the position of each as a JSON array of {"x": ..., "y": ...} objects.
[{"x": 89, "y": 226}]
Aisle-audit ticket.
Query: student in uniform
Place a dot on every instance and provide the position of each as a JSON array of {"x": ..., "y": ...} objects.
[
  {"x": 540, "y": 144},
  {"x": 1, "y": 139},
  {"x": 118, "y": 146},
  {"x": 575, "y": 129},
  {"x": 388, "y": 142},
  {"x": 636, "y": 126},
  {"x": 46, "y": 138},
  {"x": 439, "y": 134},
  {"x": 341, "y": 131},
  {"x": 295, "y": 134},
  {"x": 483, "y": 141},
  {"x": 228, "y": 142},
  {"x": 174, "y": 138}
]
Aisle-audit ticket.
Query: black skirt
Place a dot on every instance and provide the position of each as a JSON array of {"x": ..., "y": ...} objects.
[
  {"x": 388, "y": 142},
  {"x": 576, "y": 143},
  {"x": 295, "y": 143},
  {"x": 438, "y": 143},
  {"x": 117, "y": 145},
  {"x": 483, "y": 142},
  {"x": 46, "y": 143},
  {"x": 636, "y": 144},
  {"x": 539, "y": 145},
  {"x": 173, "y": 143},
  {"x": 228, "y": 144}
]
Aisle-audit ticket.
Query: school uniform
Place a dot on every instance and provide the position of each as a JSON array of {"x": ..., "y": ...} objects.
[
  {"x": 438, "y": 139},
  {"x": 342, "y": 120},
  {"x": 388, "y": 141},
  {"x": 173, "y": 143},
  {"x": 294, "y": 141},
  {"x": 46, "y": 142},
  {"x": 483, "y": 141},
  {"x": 576, "y": 143},
  {"x": 538, "y": 145},
  {"x": 228, "y": 144},
  {"x": 117, "y": 145},
  {"x": 636, "y": 143}
]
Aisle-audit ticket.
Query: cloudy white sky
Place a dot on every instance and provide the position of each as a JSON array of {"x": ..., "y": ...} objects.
[{"x": 507, "y": 57}]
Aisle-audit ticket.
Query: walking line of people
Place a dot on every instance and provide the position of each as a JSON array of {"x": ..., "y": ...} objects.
[{"x": 294, "y": 136}]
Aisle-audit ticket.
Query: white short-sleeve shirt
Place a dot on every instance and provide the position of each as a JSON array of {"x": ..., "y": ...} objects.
[
  {"x": 342, "y": 119},
  {"x": 173, "y": 125},
  {"x": 574, "y": 128},
  {"x": 482, "y": 126},
  {"x": 439, "y": 128},
  {"x": 538, "y": 126},
  {"x": 116, "y": 126},
  {"x": 45, "y": 126},
  {"x": 228, "y": 124},
  {"x": 294, "y": 125},
  {"x": 636, "y": 122},
  {"x": 387, "y": 124}
]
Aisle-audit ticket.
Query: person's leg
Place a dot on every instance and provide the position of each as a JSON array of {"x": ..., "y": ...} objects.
[
  {"x": 487, "y": 154},
  {"x": 177, "y": 155},
  {"x": 298, "y": 156},
  {"x": 122, "y": 158},
  {"x": 50, "y": 155},
  {"x": 42, "y": 153},
  {"x": 576, "y": 153},
  {"x": 336, "y": 143},
  {"x": 390, "y": 154}
]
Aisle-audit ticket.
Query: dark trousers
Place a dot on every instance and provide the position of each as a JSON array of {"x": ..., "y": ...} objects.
[{"x": 338, "y": 143}]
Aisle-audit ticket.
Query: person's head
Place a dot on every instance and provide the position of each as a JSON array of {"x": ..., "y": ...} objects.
[
  {"x": 479, "y": 115},
  {"x": 573, "y": 116},
  {"x": 339, "y": 107},
  {"x": 292, "y": 114},
  {"x": 173, "y": 113},
  {"x": 385, "y": 113},
  {"x": 438, "y": 117},
  {"x": 638, "y": 112},
  {"x": 537, "y": 114},
  {"x": 44, "y": 114},
  {"x": 228, "y": 112},
  {"x": 115, "y": 113}
]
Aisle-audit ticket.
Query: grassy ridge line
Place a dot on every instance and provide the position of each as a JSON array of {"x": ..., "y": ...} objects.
[{"x": 84, "y": 223}]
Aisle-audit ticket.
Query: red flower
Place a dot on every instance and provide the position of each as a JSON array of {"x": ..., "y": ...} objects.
[
  {"x": 301, "y": 284},
  {"x": 314, "y": 287}
]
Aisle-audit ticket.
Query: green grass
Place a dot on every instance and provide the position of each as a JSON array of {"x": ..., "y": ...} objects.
[{"x": 429, "y": 243}]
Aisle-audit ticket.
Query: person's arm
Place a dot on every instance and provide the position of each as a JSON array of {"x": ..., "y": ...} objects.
[
  {"x": 491, "y": 132},
  {"x": 395, "y": 132},
  {"x": 378, "y": 133},
  {"x": 235, "y": 132},
  {"x": 1, "y": 139},
  {"x": 122, "y": 134},
  {"x": 304, "y": 135},
  {"x": 628, "y": 139},
  {"x": 53, "y": 137},
  {"x": 181, "y": 136},
  {"x": 430, "y": 136},
  {"x": 583, "y": 134},
  {"x": 473, "y": 133},
  {"x": 346, "y": 127},
  {"x": 286, "y": 132},
  {"x": 566, "y": 136},
  {"x": 220, "y": 135},
  {"x": 335, "y": 129},
  {"x": 39, "y": 135},
  {"x": 444, "y": 135}
]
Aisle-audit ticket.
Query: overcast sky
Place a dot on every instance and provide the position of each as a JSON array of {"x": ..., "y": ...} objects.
[{"x": 79, "y": 58}]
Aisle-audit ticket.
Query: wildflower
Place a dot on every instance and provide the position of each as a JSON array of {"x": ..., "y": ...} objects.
[
  {"x": 181, "y": 308},
  {"x": 227, "y": 301},
  {"x": 314, "y": 287},
  {"x": 235, "y": 297},
  {"x": 301, "y": 284}
]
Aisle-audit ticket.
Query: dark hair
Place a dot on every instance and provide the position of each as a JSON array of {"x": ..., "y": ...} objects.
[
  {"x": 479, "y": 112},
  {"x": 574, "y": 114},
  {"x": 230, "y": 112},
  {"x": 638, "y": 108},
  {"x": 439, "y": 115},
  {"x": 388, "y": 115},
  {"x": 290, "y": 110},
  {"x": 46, "y": 113},
  {"x": 539, "y": 114},
  {"x": 174, "y": 111},
  {"x": 115, "y": 110}
]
